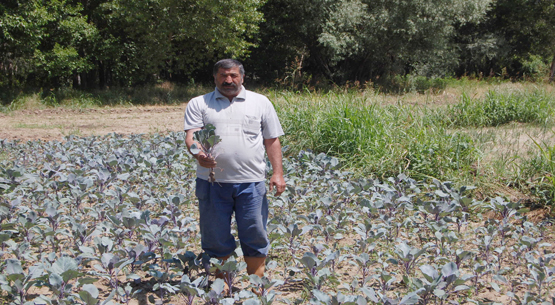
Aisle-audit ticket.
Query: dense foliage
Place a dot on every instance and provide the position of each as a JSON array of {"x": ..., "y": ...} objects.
[
  {"x": 516, "y": 38},
  {"x": 362, "y": 39},
  {"x": 118, "y": 42},
  {"x": 100, "y": 43},
  {"x": 110, "y": 219}
]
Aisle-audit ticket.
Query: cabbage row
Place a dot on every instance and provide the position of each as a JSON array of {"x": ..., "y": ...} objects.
[{"x": 113, "y": 220}]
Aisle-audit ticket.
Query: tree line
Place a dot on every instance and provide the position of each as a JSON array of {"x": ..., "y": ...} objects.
[{"x": 90, "y": 44}]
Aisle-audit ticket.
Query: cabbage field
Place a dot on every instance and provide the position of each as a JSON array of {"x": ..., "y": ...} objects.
[{"x": 113, "y": 220}]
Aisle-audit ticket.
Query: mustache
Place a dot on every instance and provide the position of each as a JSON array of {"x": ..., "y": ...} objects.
[{"x": 229, "y": 84}]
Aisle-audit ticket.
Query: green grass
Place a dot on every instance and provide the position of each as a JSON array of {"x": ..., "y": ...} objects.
[
  {"x": 161, "y": 94},
  {"x": 485, "y": 141},
  {"x": 373, "y": 138},
  {"x": 41, "y": 126},
  {"x": 501, "y": 108},
  {"x": 541, "y": 171}
]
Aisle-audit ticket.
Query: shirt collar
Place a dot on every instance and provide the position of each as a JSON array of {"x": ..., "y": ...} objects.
[{"x": 240, "y": 97}]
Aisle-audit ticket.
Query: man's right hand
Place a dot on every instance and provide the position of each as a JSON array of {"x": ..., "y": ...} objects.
[{"x": 205, "y": 161}]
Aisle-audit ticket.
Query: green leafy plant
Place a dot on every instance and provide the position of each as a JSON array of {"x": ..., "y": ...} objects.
[
  {"x": 206, "y": 141},
  {"x": 229, "y": 269},
  {"x": 16, "y": 282}
]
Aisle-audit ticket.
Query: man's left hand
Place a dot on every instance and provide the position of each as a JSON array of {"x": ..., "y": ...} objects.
[{"x": 278, "y": 182}]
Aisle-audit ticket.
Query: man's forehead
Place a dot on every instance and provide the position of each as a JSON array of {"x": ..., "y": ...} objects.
[{"x": 232, "y": 70}]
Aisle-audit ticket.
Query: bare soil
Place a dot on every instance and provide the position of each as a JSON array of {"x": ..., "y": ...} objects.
[{"x": 57, "y": 123}]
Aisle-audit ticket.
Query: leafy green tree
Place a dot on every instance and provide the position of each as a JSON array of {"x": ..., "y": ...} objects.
[
  {"x": 19, "y": 36},
  {"x": 394, "y": 37},
  {"x": 148, "y": 40},
  {"x": 514, "y": 33},
  {"x": 288, "y": 47},
  {"x": 366, "y": 39},
  {"x": 43, "y": 43},
  {"x": 93, "y": 43},
  {"x": 99, "y": 43}
]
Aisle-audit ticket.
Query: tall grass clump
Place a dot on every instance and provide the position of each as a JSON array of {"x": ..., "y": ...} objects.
[
  {"x": 498, "y": 108},
  {"x": 541, "y": 171},
  {"x": 374, "y": 138}
]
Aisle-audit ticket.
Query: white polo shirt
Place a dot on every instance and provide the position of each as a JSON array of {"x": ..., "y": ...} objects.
[{"x": 242, "y": 124}]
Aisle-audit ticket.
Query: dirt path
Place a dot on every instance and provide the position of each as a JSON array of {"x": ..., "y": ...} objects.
[{"x": 56, "y": 123}]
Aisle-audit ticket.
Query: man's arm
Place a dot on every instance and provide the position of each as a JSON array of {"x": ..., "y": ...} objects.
[
  {"x": 273, "y": 149},
  {"x": 201, "y": 157}
]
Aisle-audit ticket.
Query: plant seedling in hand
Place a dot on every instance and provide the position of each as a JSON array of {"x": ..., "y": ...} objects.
[{"x": 206, "y": 141}]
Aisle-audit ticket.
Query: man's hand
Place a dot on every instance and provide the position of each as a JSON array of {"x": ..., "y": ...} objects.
[
  {"x": 273, "y": 149},
  {"x": 278, "y": 182},
  {"x": 205, "y": 161}
]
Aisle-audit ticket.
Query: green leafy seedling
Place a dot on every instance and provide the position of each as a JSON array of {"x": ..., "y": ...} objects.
[{"x": 206, "y": 141}]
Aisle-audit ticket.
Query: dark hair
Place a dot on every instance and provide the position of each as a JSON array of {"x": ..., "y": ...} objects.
[{"x": 228, "y": 64}]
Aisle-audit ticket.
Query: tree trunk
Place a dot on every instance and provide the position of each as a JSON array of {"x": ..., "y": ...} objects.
[
  {"x": 552, "y": 73},
  {"x": 101, "y": 75},
  {"x": 77, "y": 80}
]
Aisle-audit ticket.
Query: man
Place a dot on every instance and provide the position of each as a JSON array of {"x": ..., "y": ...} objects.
[{"x": 248, "y": 125}]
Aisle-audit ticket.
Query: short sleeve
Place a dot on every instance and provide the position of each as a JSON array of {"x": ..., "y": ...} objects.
[
  {"x": 271, "y": 127},
  {"x": 193, "y": 114}
]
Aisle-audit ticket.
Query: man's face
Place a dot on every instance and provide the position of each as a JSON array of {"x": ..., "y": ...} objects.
[{"x": 229, "y": 81}]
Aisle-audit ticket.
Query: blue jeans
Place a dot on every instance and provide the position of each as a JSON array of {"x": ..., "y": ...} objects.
[{"x": 217, "y": 202}]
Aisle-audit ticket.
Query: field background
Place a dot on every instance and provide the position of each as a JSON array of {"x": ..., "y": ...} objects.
[
  {"x": 438, "y": 196},
  {"x": 501, "y": 163}
]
